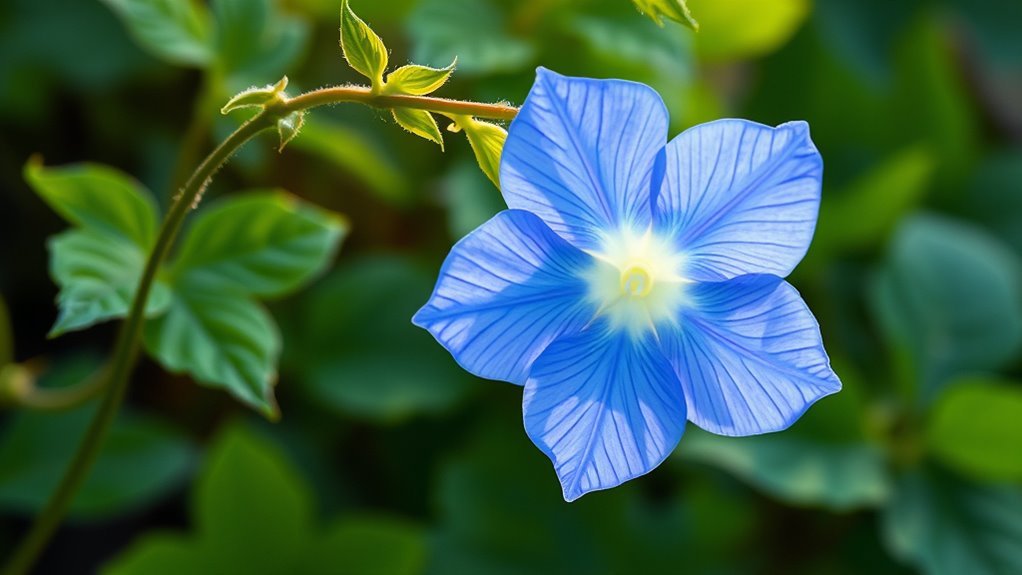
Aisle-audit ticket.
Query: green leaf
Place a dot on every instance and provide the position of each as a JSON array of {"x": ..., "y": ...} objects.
[
  {"x": 373, "y": 545},
  {"x": 249, "y": 492},
  {"x": 355, "y": 153},
  {"x": 142, "y": 461},
  {"x": 98, "y": 266},
  {"x": 253, "y": 514},
  {"x": 740, "y": 29},
  {"x": 176, "y": 31},
  {"x": 945, "y": 526},
  {"x": 949, "y": 296},
  {"x": 976, "y": 428},
  {"x": 252, "y": 511},
  {"x": 676, "y": 10},
  {"x": 221, "y": 340},
  {"x": 418, "y": 80},
  {"x": 259, "y": 243},
  {"x": 289, "y": 126},
  {"x": 867, "y": 211},
  {"x": 98, "y": 276},
  {"x": 255, "y": 244},
  {"x": 487, "y": 141},
  {"x": 255, "y": 41},
  {"x": 363, "y": 49},
  {"x": 98, "y": 198},
  {"x": 476, "y": 31},
  {"x": 344, "y": 343},
  {"x": 256, "y": 97},
  {"x": 419, "y": 122},
  {"x": 796, "y": 470}
]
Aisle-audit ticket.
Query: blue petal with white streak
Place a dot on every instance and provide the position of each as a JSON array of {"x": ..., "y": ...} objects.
[
  {"x": 580, "y": 155},
  {"x": 740, "y": 197},
  {"x": 504, "y": 293},
  {"x": 604, "y": 407},
  {"x": 749, "y": 355}
]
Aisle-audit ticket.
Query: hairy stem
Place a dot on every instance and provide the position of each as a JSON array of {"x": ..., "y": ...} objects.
[
  {"x": 364, "y": 95},
  {"x": 126, "y": 349}
]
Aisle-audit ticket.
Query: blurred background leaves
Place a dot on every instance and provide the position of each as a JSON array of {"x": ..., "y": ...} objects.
[{"x": 386, "y": 450}]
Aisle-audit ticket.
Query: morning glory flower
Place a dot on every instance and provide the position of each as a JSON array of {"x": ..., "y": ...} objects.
[{"x": 636, "y": 284}]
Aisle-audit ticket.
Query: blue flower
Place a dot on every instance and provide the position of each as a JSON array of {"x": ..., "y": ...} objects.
[{"x": 635, "y": 283}]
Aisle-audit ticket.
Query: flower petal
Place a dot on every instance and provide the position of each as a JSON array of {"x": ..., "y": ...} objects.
[
  {"x": 504, "y": 293},
  {"x": 605, "y": 407},
  {"x": 740, "y": 197},
  {"x": 580, "y": 155},
  {"x": 749, "y": 355}
]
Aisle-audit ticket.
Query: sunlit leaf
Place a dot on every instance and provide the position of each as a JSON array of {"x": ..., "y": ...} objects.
[
  {"x": 951, "y": 297},
  {"x": 419, "y": 122},
  {"x": 739, "y": 29},
  {"x": 255, "y": 97},
  {"x": 976, "y": 427},
  {"x": 796, "y": 470},
  {"x": 676, "y": 10},
  {"x": 177, "y": 31},
  {"x": 945, "y": 526},
  {"x": 363, "y": 48},
  {"x": 487, "y": 142},
  {"x": 418, "y": 80}
]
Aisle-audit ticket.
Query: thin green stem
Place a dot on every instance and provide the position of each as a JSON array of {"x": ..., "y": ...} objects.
[
  {"x": 18, "y": 387},
  {"x": 365, "y": 95},
  {"x": 126, "y": 349},
  {"x": 125, "y": 352}
]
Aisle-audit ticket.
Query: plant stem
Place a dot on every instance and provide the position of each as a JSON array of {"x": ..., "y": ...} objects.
[
  {"x": 126, "y": 349},
  {"x": 125, "y": 352},
  {"x": 18, "y": 386},
  {"x": 364, "y": 95}
]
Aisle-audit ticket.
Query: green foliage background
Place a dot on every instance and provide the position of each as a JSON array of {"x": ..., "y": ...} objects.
[{"x": 390, "y": 459}]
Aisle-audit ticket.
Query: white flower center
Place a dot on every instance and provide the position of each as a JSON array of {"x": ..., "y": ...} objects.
[{"x": 636, "y": 281}]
